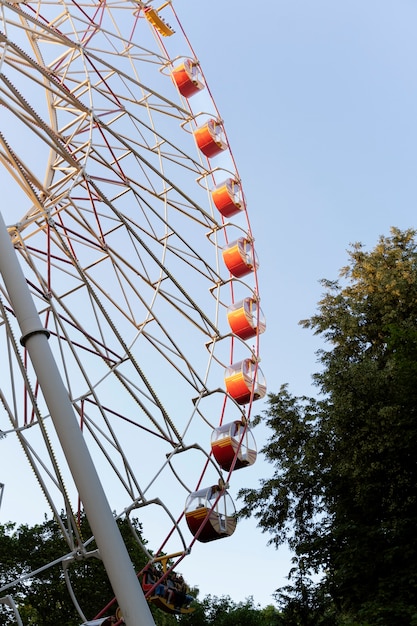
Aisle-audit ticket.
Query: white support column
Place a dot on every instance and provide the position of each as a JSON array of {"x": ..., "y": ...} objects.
[{"x": 112, "y": 549}]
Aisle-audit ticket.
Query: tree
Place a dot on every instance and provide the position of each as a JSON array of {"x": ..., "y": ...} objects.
[
  {"x": 214, "y": 611},
  {"x": 344, "y": 488},
  {"x": 43, "y": 599}
]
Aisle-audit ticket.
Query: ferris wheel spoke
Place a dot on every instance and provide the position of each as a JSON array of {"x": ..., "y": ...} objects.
[{"x": 138, "y": 255}]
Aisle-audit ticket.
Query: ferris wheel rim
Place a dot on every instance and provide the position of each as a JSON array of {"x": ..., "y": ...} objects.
[{"x": 52, "y": 220}]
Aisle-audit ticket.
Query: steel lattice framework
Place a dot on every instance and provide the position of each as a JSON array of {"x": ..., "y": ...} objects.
[{"x": 109, "y": 210}]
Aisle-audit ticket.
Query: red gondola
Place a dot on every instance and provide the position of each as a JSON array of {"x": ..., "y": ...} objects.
[
  {"x": 240, "y": 257},
  {"x": 244, "y": 381},
  {"x": 211, "y": 521},
  {"x": 187, "y": 78},
  {"x": 234, "y": 440},
  {"x": 228, "y": 197},
  {"x": 210, "y": 138},
  {"x": 246, "y": 318}
]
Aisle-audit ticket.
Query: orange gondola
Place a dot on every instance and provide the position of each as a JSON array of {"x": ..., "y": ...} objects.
[
  {"x": 187, "y": 78},
  {"x": 240, "y": 257},
  {"x": 210, "y": 138},
  {"x": 244, "y": 380},
  {"x": 233, "y": 442},
  {"x": 246, "y": 319},
  {"x": 210, "y": 517},
  {"x": 228, "y": 197}
]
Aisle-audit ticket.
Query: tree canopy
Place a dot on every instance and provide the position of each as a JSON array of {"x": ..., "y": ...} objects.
[
  {"x": 43, "y": 598},
  {"x": 223, "y": 611},
  {"x": 344, "y": 486}
]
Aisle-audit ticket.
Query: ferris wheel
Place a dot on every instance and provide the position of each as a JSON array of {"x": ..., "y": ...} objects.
[{"x": 126, "y": 211}]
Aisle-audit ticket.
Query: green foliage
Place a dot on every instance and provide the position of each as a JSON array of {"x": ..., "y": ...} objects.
[
  {"x": 343, "y": 492},
  {"x": 214, "y": 611},
  {"x": 43, "y": 599}
]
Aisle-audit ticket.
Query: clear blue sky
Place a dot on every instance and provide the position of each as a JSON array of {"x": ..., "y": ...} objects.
[{"x": 319, "y": 101}]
